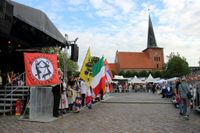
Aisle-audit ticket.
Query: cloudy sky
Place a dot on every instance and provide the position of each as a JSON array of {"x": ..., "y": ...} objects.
[{"x": 110, "y": 25}]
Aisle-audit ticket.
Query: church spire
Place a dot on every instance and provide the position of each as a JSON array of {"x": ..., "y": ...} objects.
[{"x": 151, "y": 42}]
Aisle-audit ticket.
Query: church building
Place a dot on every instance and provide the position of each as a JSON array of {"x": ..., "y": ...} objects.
[{"x": 150, "y": 59}]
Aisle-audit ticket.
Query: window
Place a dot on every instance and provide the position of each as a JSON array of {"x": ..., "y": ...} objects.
[{"x": 156, "y": 58}]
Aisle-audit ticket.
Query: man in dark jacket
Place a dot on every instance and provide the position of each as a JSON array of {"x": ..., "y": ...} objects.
[
  {"x": 57, "y": 90},
  {"x": 56, "y": 94}
]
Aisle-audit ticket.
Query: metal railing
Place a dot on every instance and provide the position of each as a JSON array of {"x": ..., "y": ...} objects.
[{"x": 19, "y": 83}]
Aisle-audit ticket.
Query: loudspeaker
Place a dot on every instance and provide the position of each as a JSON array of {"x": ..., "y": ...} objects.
[
  {"x": 6, "y": 16},
  {"x": 74, "y": 52}
]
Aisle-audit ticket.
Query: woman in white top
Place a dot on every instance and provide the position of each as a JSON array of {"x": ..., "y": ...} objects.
[{"x": 84, "y": 89}]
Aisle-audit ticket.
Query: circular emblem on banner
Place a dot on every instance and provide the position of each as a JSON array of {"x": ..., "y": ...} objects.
[{"x": 42, "y": 69}]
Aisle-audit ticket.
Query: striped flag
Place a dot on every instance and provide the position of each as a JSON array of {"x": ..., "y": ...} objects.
[
  {"x": 109, "y": 75},
  {"x": 99, "y": 78}
]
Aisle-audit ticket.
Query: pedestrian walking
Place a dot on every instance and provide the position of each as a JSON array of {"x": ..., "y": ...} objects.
[{"x": 183, "y": 89}]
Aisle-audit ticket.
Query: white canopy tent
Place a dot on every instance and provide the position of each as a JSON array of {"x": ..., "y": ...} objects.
[
  {"x": 136, "y": 80},
  {"x": 172, "y": 79},
  {"x": 160, "y": 81},
  {"x": 150, "y": 79},
  {"x": 119, "y": 77}
]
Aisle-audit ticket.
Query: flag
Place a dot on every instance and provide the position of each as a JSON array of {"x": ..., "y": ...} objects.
[
  {"x": 109, "y": 75},
  {"x": 86, "y": 70},
  {"x": 99, "y": 78},
  {"x": 41, "y": 69}
]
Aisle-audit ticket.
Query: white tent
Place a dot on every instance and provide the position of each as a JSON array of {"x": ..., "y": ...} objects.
[
  {"x": 172, "y": 79},
  {"x": 150, "y": 79},
  {"x": 160, "y": 81},
  {"x": 118, "y": 77},
  {"x": 136, "y": 80}
]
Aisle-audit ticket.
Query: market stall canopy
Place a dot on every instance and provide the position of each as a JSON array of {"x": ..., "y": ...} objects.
[
  {"x": 136, "y": 80},
  {"x": 160, "y": 81},
  {"x": 118, "y": 77},
  {"x": 172, "y": 79},
  {"x": 150, "y": 79}
]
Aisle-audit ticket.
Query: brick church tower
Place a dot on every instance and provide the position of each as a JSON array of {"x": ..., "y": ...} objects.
[
  {"x": 150, "y": 59},
  {"x": 154, "y": 52}
]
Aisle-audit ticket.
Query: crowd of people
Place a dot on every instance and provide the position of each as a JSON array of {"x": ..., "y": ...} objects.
[
  {"x": 185, "y": 96},
  {"x": 136, "y": 87},
  {"x": 11, "y": 78},
  {"x": 72, "y": 96},
  {"x": 182, "y": 91}
]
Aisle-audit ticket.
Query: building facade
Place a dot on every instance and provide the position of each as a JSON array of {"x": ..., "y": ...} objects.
[{"x": 150, "y": 59}]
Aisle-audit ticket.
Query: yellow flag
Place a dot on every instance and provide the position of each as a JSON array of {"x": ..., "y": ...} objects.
[{"x": 86, "y": 70}]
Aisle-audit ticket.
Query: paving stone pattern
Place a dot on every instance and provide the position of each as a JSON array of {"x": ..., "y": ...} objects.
[{"x": 143, "y": 113}]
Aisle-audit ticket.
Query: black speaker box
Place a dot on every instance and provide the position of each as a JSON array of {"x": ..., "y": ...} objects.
[{"x": 74, "y": 52}]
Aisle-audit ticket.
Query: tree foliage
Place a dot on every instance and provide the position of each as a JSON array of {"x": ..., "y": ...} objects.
[
  {"x": 143, "y": 73},
  {"x": 121, "y": 73},
  {"x": 157, "y": 74},
  {"x": 71, "y": 66},
  {"x": 128, "y": 74},
  {"x": 176, "y": 66}
]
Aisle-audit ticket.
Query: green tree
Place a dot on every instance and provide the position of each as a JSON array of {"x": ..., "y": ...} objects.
[
  {"x": 157, "y": 74},
  {"x": 121, "y": 73},
  {"x": 95, "y": 59},
  {"x": 113, "y": 72},
  {"x": 128, "y": 74},
  {"x": 134, "y": 73},
  {"x": 176, "y": 66},
  {"x": 143, "y": 73},
  {"x": 72, "y": 67}
]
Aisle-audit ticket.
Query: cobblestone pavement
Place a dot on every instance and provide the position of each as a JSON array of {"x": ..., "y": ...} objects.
[{"x": 142, "y": 113}]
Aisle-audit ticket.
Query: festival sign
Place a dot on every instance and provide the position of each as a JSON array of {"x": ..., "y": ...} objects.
[{"x": 41, "y": 69}]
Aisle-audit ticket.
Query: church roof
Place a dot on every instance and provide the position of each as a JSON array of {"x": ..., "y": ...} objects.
[
  {"x": 113, "y": 67},
  {"x": 136, "y": 60},
  {"x": 151, "y": 40}
]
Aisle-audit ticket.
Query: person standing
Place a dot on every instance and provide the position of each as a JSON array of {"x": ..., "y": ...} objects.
[
  {"x": 83, "y": 87},
  {"x": 63, "y": 101},
  {"x": 57, "y": 90},
  {"x": 183, "y": 89},
  {"x": 56, "y": 94}
]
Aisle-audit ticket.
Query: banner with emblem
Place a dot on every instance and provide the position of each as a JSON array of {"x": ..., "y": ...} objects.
[
  {"x": 41, "y": 69},
  {"x": 86, "y": 69}
]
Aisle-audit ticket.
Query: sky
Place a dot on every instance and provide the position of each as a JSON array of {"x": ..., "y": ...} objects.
[{"x": 110, "y": 25}]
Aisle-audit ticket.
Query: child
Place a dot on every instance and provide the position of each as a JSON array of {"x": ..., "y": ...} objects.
[
  {"x": 77, "y": 104},
  {"x": 89, "y": 99}
]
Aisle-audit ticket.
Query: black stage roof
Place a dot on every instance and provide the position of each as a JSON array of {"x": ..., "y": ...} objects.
[{"x": 27, "y": 28}]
